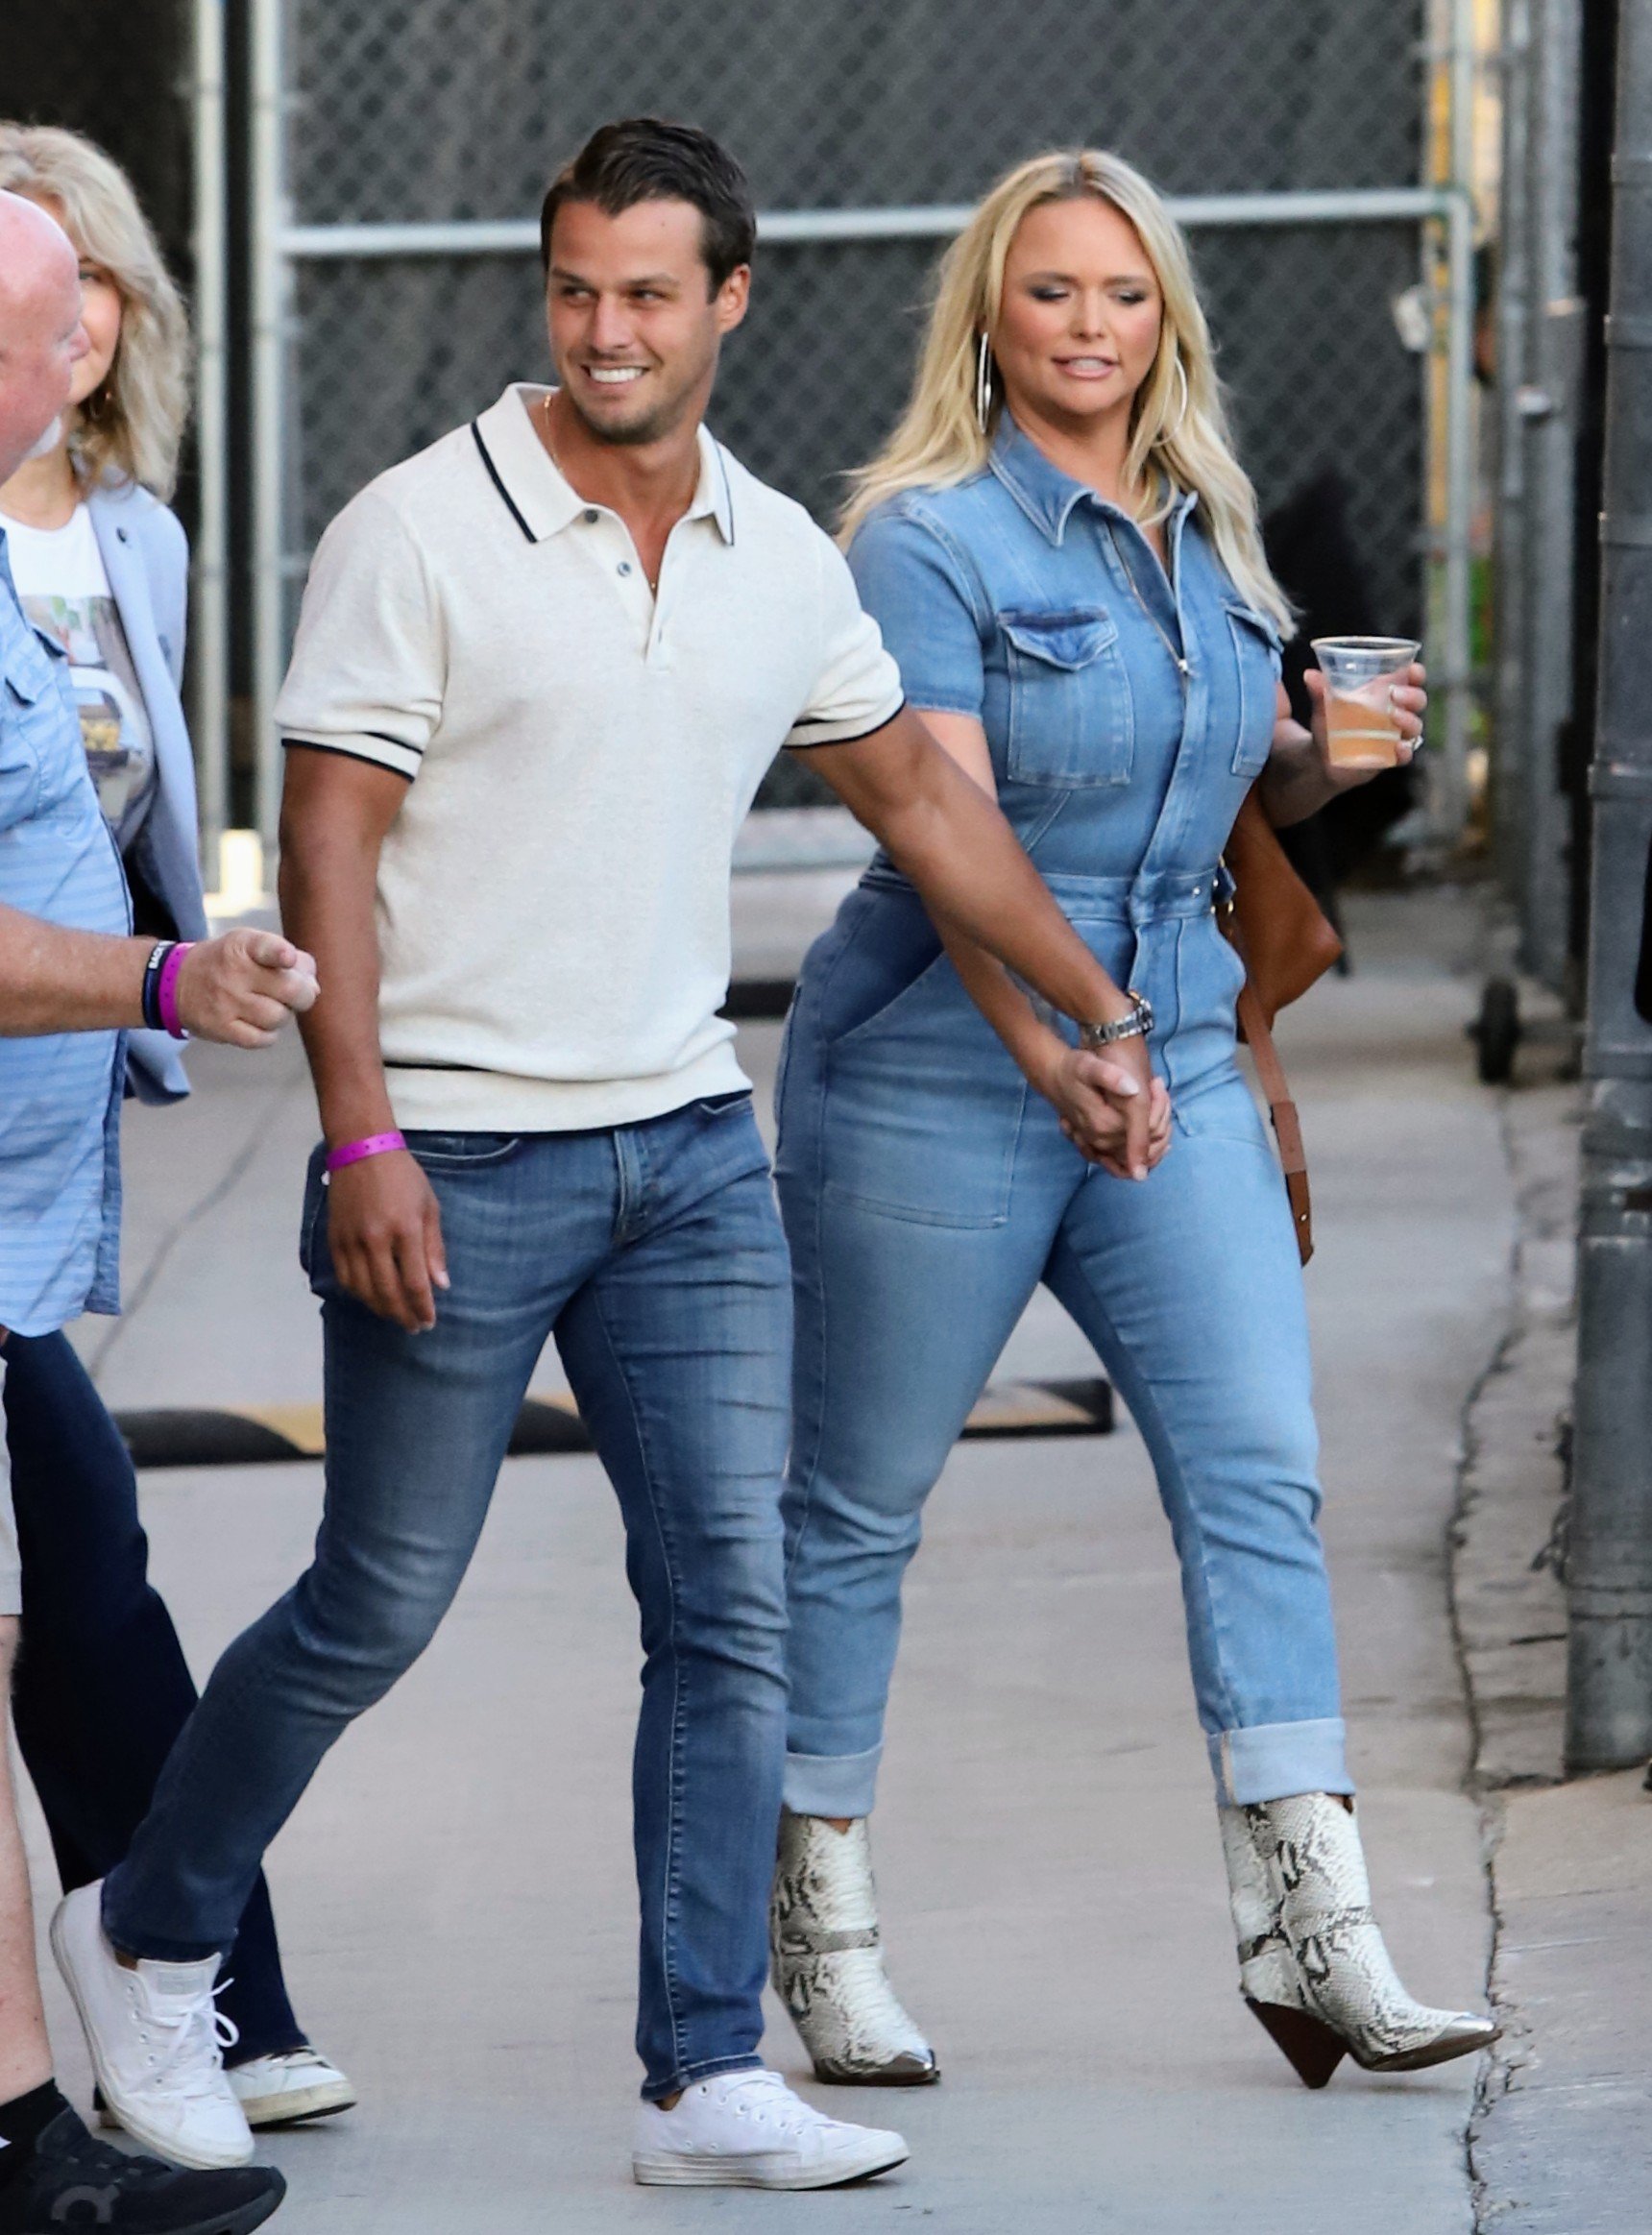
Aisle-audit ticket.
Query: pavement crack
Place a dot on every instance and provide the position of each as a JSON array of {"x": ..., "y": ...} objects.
[
  {"x": 1501, "y": 2063},
  {"x": 1511, "y": 1475},
  {"x": 1467, "y": 1495},
  {"x": 1492, "y": 2078}
]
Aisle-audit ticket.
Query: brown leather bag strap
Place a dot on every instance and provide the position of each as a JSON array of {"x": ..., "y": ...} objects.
[{"x": 1287, "y": 1129}]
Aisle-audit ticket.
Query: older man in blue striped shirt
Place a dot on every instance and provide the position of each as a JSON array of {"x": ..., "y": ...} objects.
[
  {"x": 72, "y": 981},
  {"x": 61, "y": 1093}
]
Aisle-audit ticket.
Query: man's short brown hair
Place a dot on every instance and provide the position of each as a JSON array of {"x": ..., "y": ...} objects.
[{"x": 643, "y": 159}]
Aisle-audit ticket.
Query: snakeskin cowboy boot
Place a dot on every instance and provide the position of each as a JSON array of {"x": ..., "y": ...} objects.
[
  {"x": 1312, "y": 1965},
  {"x": 828, "y": 1962}
]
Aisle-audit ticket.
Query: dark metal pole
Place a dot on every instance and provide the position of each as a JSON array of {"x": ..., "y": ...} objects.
[
  {"x": 1609, "y": 1702},
  {"x": 1542, "y": 325}
]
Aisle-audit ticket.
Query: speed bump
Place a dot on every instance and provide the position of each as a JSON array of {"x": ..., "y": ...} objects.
[{"x": 262, "y": 1435}]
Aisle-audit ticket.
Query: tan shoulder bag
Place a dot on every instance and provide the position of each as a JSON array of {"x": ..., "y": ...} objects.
[{"x": 1286, "y": 943}]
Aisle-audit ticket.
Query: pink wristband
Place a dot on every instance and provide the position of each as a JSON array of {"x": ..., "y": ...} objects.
[
  {"x": 166, "y": 992},
  {"x": 353, "y": 1152}
]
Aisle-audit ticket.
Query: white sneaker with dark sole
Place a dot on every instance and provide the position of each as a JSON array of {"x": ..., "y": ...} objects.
[
  {"x": 156, "y": 2041},
  {"x": 747, "y": 2131},
  {"x": 289, "y": 2088}
]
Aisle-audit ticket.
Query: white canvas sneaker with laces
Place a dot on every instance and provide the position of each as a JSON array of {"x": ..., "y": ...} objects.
[
  {"x": 156, "y": 2041},
  {"x": 746, "y": 2130},
  {"x": 294, "y": 2085}
]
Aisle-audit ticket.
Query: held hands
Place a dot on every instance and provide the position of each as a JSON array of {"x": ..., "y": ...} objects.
[
  {"x": 242, "y": 988},
  {"x": 385, "y": 1233},
  {"x": 1113, "y": 1109}
]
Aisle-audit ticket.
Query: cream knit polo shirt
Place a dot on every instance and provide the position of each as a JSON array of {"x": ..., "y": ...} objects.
[{"x": 553, "y": 893}]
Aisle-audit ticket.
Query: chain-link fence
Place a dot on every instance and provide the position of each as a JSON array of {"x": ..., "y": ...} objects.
[{"x": 407, "y": 143}]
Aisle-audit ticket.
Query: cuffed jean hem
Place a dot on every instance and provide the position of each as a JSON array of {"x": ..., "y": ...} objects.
[
  {"x": 1272, "y": 1761},
  {"x": 146, "y": 1946},
  {"x": 707, "y": 2068},
  {"x": 832, "y": 1785}
]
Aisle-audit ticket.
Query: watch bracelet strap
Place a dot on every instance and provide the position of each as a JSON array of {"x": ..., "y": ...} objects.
[{"x": 1137, "y": 1026}]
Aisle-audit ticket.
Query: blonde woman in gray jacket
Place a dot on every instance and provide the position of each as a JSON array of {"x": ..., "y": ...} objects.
[{"x": 100, "y": 566}]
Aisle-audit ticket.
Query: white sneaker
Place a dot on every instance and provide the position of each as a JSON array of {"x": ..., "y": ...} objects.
[
  {"x": 281, "y": 2090},
  {"x": 157, "y": 2040},
  {"x": 747, "y": 2131}
]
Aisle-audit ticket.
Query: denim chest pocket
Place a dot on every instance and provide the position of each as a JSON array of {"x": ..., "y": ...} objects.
[
  {"x": 27, "y": 669},
  {"x": 1256, "y": 654},
  {"x": 1072, "y": 719}
]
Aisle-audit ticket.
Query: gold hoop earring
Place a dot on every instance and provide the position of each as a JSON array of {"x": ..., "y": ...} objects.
[{"x": 982, "y": 382}]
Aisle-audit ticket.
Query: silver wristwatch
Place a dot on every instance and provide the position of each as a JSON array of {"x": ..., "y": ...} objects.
[{"x": 1134, "y": 1026}]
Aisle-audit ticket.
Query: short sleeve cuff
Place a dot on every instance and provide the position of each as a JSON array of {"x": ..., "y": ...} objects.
[
  {"x": 363, "y": 746},
  {"x": 847, "y": 729},
  {"x": 938, "y": 701}
]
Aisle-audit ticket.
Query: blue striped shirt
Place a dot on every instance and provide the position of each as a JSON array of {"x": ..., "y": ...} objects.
[{"x": 60, "y": 1093}]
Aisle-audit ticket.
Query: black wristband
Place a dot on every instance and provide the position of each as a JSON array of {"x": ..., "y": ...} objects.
[{"x": 151, "y": 997}]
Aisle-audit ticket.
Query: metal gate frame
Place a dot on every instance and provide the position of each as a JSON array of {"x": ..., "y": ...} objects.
[{"x": 1443, "y": 213}]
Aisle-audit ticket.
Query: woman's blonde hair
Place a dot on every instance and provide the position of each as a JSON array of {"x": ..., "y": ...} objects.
[
  {"x": 1179, "y": 441},
  {"x": 130, "y": 428}
]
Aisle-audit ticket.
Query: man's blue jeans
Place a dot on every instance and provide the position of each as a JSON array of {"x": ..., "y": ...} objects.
[{"x": 654, "y": 1255}]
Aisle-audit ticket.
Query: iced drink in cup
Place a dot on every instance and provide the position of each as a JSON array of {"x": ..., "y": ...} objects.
[{"x": 1362, "y": 730}]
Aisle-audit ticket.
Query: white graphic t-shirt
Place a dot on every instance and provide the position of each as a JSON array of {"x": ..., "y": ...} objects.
[{"x": 60, "y": 580}]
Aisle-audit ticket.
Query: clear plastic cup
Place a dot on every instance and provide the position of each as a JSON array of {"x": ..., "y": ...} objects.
[{"x": 1362, "y": 729}]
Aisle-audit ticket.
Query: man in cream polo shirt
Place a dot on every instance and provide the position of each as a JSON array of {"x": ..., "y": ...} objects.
[{"x": 540, "y": 670}]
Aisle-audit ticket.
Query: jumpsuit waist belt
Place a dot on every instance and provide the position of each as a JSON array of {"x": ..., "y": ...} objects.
[{"x": 1150, "y": 896}]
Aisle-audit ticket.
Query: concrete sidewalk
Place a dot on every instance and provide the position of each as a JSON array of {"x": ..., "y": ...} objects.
[
  {"x": 455, "y": 1891},
  {"x": 1562, "y": 2139}
]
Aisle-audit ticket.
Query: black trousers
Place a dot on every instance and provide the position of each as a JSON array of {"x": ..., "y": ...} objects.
[{"x": 102, "y": 1687}]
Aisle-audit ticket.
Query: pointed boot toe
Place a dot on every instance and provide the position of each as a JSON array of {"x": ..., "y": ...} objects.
[
  {"x": 1462, "y": 2034},
  {"x": 903, "y": 2068}
]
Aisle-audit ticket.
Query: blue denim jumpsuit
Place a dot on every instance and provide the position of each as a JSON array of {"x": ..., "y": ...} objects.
[{"x": 927, "y": 1190}]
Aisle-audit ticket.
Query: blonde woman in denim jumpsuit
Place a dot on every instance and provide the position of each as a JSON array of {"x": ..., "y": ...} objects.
[{"x": 1061, "y": 552}]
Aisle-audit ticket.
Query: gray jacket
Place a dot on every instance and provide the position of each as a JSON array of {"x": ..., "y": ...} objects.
[{"x": 146, "y": 558}]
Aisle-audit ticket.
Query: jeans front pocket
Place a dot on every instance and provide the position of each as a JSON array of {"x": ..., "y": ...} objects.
[
  {"x": 1199, "y": 1056},
  {"x": 921, "y": 1116},
  {"x": 460, "y": 1152},
  {"x": 1072, "y": 718},
  {"x": 879, "y": 951},
  {"x": 1257, "y": 650}
]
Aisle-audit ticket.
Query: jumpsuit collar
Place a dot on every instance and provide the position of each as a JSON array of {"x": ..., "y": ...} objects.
[{"x": 1048, "y": 496}]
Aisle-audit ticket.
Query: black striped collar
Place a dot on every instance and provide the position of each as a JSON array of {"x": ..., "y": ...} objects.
[{"x": 535, "y": 494}]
